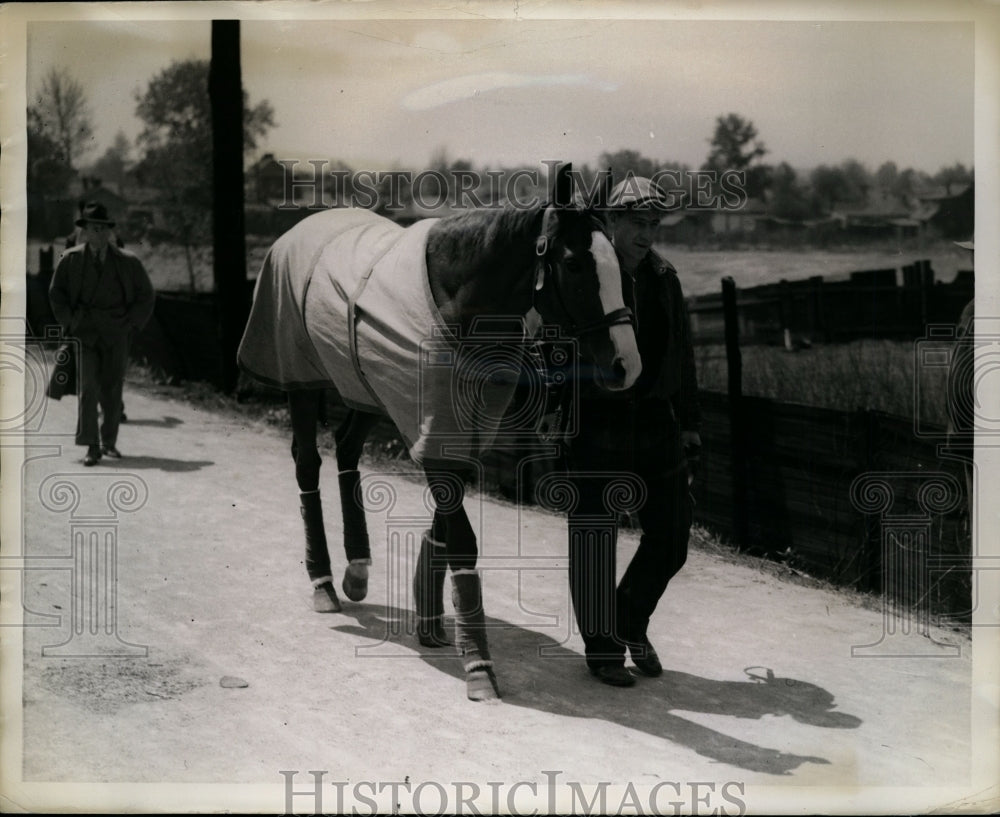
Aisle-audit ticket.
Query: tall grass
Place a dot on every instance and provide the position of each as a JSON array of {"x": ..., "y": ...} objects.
[{"x": 880, "y": 375}]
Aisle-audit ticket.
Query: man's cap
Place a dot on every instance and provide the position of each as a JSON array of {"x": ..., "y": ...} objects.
[
  {"x": 94, "y": 212},
  {"x": 637, "y": 192},
  {"x": 967, "y": 245}
]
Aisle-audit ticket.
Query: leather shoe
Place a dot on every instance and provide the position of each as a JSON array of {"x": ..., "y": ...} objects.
[
  {"x": 646, "y": 660},
  {"x": 614, "y": 675},
  {"x": 93, "y": 456},
  {"x": 111, "y": 451}
]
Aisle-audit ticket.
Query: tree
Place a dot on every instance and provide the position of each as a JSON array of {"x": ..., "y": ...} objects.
[
  {"x": 176, "y": 145},
  {"x": 623, "y": 162},
  {"x": 844, "y": 184},
  {"x": 49, "y": 173},
  {"x": 909, "y": 183},
  {"x": 887, "y": 176},
  {"x": 735, "y": 146},
  {"x": 953, "y": 176},
  {"x": 114, "y": 165},
  {"x": 789, "y": 198},
  {"x": 64, "y": 115},
  {"x": 858, "y": 179}
]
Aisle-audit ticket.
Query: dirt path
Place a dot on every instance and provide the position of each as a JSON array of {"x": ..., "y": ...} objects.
[{"x": 234, "y": 679}]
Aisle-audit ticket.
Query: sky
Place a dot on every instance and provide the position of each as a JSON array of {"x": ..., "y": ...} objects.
[{"x": 392, "y": 93}]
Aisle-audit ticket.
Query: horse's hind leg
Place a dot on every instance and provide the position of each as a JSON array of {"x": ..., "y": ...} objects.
[
  {"x": 451, "y": 525},
  {"x": 350, "y": 438},
  {"x": 304, "y": 406}
]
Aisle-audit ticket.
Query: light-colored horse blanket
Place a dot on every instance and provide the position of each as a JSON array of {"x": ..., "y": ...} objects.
[{"x": 343, "y": 301}]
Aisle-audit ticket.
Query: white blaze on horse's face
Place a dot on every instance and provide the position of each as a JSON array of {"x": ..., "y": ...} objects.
[{"x": 626, "y": 363}]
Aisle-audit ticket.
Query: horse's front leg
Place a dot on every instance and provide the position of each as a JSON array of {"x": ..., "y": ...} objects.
[
  {"x": 451, "y": 526},
  {"x": 350, "y": 438},
  {"x": 304, "y": 406}
]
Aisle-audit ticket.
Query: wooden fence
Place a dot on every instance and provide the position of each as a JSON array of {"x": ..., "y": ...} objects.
[
  {"x": 886, "y": 303},
  {"x": 799, "y": 491}
]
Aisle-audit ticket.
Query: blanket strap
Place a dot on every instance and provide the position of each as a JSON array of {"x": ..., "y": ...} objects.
[{"x": 352, "y": 326}]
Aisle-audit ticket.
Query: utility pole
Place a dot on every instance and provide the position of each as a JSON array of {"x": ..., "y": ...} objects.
[{"x": 232, "y": 297}]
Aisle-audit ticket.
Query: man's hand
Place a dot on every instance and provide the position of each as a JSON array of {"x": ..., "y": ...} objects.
[
  {"x": 550, "y": 427},
  {"x": 691, "y": 443}
]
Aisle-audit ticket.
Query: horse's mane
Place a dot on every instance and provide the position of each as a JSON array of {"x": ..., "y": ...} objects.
[{"x": 472, "y": 234}]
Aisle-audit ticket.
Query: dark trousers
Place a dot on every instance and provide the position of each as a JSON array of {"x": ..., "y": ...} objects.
[
  {"x": 627, "y": 458},
  {"x": 102, "y": 377}
]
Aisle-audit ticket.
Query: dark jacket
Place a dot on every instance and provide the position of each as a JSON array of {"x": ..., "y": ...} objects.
[
  {"x": 65, "y": 289},
  {"x": 677, "y": 381}
]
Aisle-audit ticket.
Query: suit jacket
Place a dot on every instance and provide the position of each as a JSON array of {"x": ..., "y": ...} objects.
[{"x": 67, "y": 282}]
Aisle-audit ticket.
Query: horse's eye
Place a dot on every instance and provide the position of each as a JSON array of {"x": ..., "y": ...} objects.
[{"x": 573, "y": 264}]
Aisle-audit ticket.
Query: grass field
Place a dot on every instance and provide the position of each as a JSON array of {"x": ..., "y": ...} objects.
[
  {"x": 880, "y": 375},
  {"x": 701, "y": 271}
]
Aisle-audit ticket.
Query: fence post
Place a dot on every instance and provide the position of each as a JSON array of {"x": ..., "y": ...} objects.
[
  {"x": 818, "y": 328},
  {"x": 926, "y": 273},
  {"x": 737, "y": 419}
]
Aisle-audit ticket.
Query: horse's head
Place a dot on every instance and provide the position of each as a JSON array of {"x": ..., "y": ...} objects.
[{"x": 578, "y": 283}]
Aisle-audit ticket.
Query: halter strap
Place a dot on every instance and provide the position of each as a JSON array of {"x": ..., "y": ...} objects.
[
  {"x": 542, "y": 248},
  {"x": 615, "y": 317}
]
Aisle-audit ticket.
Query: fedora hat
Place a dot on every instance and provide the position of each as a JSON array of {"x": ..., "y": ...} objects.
[{"x": 94, "y": 212}]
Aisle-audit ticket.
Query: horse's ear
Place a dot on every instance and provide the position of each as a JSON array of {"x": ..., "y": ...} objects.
[
  {"x": 602, "y": 193},
  {"x": 562, "y": 187}
]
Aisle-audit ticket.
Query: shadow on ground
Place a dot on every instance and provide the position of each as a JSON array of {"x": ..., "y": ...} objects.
[
  {"x": 130, "y": 463},
  {"x": 559, "y": 684},
  {"x": 165, "y": 422}
]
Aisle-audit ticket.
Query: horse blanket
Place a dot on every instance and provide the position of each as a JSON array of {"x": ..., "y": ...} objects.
[{"x": 343, "y": 301}]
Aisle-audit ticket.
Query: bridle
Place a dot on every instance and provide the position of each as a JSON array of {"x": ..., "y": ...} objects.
[{"x": 616, "y": 317}]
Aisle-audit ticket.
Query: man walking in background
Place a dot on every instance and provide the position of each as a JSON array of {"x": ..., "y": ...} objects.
[
  {"x": 76, "y": 237},
  {"x": 100, "y": 294},
  {"x": 649, "y": 432}
]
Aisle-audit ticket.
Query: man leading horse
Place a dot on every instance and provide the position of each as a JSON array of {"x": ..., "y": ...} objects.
[{"x": 644, "y": 438}]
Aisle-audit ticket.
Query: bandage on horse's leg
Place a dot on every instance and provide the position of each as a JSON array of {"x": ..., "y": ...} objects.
[
  {"x": 451, "y": 524},
  {"x": 304, "y": 408},
  {"x": 350, "y": 438}
]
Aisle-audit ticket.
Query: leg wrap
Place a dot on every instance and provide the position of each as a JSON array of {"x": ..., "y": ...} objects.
[
  {"x": 470, "y": 636},
  {"x": 356, "y": 545},
  {"x": 428, "y": 592},
  {"x": 317, "y": 555}
]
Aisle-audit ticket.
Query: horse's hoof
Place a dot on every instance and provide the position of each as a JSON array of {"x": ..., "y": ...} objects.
[
  {"x": 355, "y": 584},
  {"x": 481, "y": 685},
  {"x": 431, "y": 633},
  {"x": 325, "y": 598}
]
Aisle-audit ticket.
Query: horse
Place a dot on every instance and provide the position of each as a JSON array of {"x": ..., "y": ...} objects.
[{"x": 349, "y": 300}]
